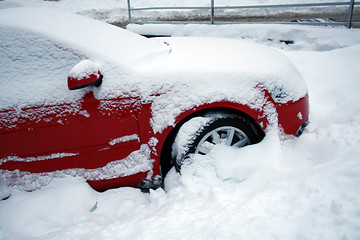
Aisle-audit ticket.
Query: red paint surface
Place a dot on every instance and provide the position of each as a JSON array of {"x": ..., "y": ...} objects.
[
  {"x": 293, "y": 114},
  {"x": 41, "y": 131},
  {"x": 75, "y": 83}
]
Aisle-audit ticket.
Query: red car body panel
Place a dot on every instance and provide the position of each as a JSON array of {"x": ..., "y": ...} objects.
[
  {"x": 292, "y": 115},
  {"x": 60, "y": 130},
  {"x": 87, "y": 133},
  {"x": 132, "y": 180},
  {"x": 84, "y": 135}
]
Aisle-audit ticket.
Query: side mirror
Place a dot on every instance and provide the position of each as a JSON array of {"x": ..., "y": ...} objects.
[{"x": 85, "y": 73}]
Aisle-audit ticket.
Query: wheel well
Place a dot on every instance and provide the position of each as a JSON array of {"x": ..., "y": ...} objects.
[{"x": 165, "y": 156}]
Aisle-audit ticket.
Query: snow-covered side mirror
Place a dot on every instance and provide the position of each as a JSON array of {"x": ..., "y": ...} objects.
[{"x": 85, "y": 73}]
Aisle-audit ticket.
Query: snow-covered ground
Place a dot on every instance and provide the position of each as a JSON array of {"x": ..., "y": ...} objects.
[{"x": 282, "y": 188}]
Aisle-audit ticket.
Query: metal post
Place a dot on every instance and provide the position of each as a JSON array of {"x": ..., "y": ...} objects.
[
  {"x": 351, "y": 10},
  {"x": 129, "y": 10},
  {"x": 212, "y": 12}
]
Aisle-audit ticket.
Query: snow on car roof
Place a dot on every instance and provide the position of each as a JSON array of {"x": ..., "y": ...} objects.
[
  {"x": 38, "y": 48},
  {"x": 85, "y": 34}
]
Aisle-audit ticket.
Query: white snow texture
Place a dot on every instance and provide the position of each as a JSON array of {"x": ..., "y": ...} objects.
[{"x": 302, "y": 188}]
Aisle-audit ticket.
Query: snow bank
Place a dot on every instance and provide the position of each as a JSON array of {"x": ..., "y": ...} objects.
[
  {"x": 54, "y": 207},
  {"x": 335, "y": 69},
  {"x": 317, "y": 38}
]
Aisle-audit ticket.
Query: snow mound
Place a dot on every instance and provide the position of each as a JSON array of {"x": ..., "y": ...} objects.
[
  {"x": 317, "y": 38},
  {"x": 50, "y": 209}
]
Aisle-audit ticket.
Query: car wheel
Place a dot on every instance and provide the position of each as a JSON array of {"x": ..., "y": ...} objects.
[{"x": 200, "y": 134}]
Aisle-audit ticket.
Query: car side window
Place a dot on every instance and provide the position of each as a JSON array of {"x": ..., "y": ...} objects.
[{"x": 34, "y": 69}]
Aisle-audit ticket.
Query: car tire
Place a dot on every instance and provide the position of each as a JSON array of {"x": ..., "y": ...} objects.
[{"x": 200, "y": 134}]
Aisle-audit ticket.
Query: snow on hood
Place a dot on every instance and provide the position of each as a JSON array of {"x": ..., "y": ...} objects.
[
  {"x": 240, "y": 58},
  {"x": 205, "y": 70}
]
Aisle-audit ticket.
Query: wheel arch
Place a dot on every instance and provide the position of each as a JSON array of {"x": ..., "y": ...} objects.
[{"x": 253, "y": 116}]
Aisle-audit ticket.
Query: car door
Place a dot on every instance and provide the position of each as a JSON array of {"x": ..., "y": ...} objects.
[{"x": 70, "y": 129}]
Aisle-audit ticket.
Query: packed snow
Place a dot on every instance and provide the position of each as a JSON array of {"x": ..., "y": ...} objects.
[
  {"x": 321, "y": 38},
  {"x": 84, "y": 69},
  {"x": 124, "y": 139},
  {"x": 40, "y": 158},
  {"x": 282, "y": 188}
]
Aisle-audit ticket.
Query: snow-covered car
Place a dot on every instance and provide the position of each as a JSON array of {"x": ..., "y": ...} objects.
[{"x": 84, "y": 98}]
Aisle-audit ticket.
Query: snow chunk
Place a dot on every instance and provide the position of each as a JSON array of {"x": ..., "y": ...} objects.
[
  {"x": 40, "y": 158},
  {"x": 84, "y": 69},
  {"x": 299, "y": 115},
  {"x": 124, "y": 139}
]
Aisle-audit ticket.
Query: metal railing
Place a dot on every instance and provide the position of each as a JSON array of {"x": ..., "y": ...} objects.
[{"x": 349, "y": 23}]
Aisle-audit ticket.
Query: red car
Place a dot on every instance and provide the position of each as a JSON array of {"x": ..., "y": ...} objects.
[{"x": 83, "y": 98}]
